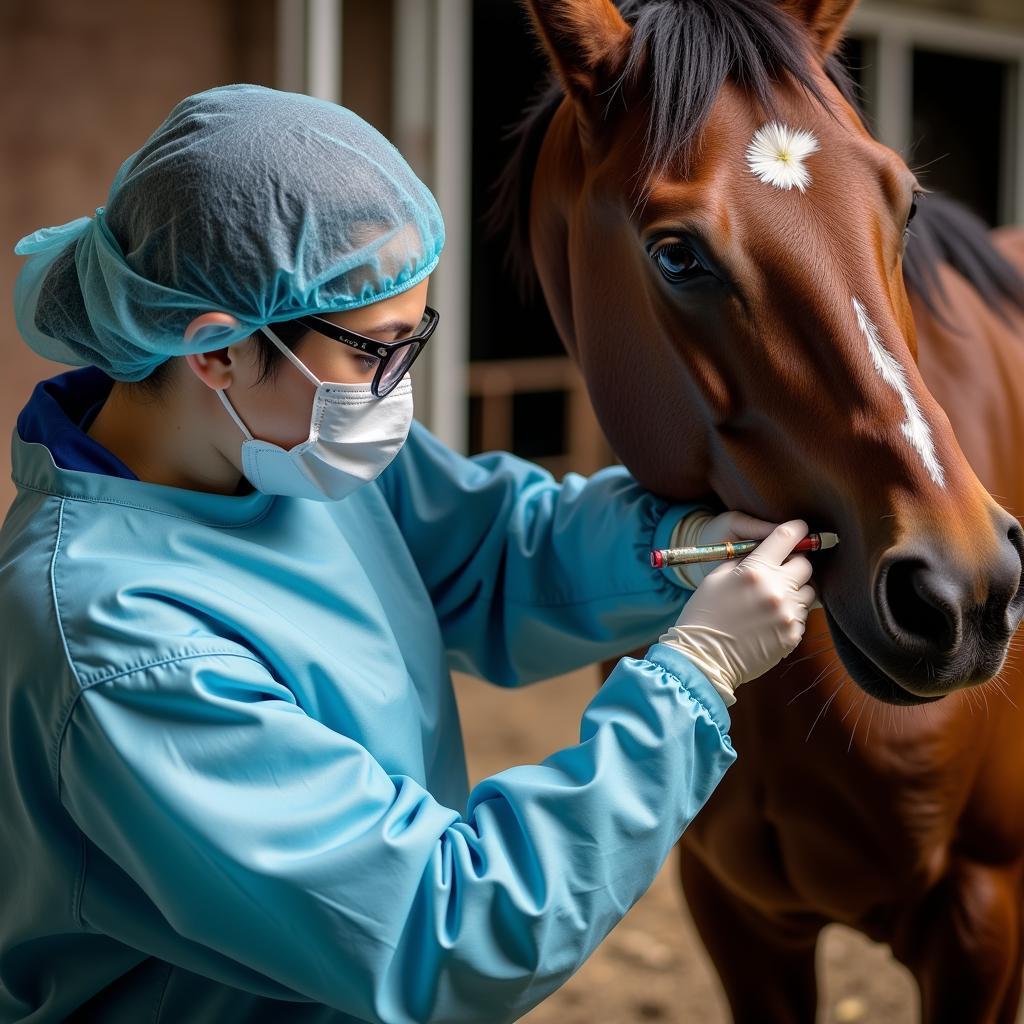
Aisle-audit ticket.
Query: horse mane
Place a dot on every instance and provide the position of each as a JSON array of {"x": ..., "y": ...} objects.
[
  {"x": 687, "y": 51},
  {"x": 945, "y": 231}
]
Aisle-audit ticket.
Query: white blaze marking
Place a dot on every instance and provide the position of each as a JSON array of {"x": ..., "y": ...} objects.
[
  {"x": 777, "y": 153},
  {"x": 915, "y": 428}
]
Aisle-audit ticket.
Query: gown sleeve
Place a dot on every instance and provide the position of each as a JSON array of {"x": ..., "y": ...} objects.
[
  {"x": 278, "y": 850},
  {"x": 530, "y": 577}
]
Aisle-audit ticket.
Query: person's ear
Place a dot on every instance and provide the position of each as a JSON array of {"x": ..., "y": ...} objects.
[{"x": 214, "y": 368}]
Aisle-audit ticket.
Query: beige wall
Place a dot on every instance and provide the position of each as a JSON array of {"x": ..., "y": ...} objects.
[{"x": 82, "y": 84}]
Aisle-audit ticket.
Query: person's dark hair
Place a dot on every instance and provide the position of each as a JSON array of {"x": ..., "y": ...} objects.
[{"x": 267, "y": 354}]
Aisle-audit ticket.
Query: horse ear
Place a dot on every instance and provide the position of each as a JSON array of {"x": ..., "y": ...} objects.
[
  {"x": 825, "y": 20},
  {"x": 586, "y": 42}
]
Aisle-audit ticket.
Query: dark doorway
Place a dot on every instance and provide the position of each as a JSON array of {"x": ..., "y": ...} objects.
[{"x": 959, "y": 114}]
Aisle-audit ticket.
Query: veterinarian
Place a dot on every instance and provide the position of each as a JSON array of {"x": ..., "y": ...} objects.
[{"x": 232, "y": 585}]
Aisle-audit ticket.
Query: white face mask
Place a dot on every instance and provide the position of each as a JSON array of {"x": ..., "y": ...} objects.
[{"x": 353, "y": 437}]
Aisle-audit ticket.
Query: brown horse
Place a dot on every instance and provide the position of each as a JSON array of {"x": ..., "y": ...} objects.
[{"x": 721, "y": 245}]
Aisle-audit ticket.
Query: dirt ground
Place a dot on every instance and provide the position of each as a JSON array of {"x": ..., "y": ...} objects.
[{"x": 652, "y": 967}]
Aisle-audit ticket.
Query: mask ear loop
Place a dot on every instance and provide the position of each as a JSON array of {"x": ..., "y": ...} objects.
[
  {"x": 225, "y": 401},
  {"x": 221, "y": 320},
  {"x": 292, "y": 357}
]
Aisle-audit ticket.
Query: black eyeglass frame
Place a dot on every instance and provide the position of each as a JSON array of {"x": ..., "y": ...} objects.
[{"x": 384, "y": 351}]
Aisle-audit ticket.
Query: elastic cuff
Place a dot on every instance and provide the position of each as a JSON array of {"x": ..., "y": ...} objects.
[
  {"x": 696, "y": 683},
  {"x": 728, "y": 697}
]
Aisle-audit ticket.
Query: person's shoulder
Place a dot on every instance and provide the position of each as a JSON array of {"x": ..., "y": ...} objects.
[
  {"x": 424, "y": 454},
  {"x": 421, "y": 439},
  {"x": 28, "y": 540},
  {"x": 122, "y": 588},
  {"x": 422, "y": 451}
]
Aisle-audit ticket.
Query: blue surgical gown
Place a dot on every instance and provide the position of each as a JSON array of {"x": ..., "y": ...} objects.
[{"x": 233, "y": 784}]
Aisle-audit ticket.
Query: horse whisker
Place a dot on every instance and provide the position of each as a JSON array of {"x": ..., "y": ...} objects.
[
  {"x": 817, "y": 679},
  {"x": 853, "y": 735},
  {"x": 824, "y": 708},
  {"x": 806, "y": 657}
]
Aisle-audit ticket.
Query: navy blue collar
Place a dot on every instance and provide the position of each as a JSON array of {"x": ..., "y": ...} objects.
[
  {"x": 58, "y": 415},
  {"x": 52, "y": 453}
]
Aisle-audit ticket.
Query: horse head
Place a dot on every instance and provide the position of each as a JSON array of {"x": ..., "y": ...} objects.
[{"x": 720, "y": 241}]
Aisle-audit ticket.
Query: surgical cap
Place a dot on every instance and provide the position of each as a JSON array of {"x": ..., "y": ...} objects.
[{"x": 262, "y": 204}]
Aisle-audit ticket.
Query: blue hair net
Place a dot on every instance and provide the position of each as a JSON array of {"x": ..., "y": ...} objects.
[{"x": 263, "y": 204}]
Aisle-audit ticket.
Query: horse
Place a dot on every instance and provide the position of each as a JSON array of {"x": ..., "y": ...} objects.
[{"x": 771, "y": 314}]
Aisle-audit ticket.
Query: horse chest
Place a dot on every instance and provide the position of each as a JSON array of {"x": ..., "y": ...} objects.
[{"x": 849, "y": 822}]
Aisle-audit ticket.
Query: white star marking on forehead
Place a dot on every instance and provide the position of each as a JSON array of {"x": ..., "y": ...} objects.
[
  {"x": 777, "y": 153},
  {"x": 915, "y": 428}
]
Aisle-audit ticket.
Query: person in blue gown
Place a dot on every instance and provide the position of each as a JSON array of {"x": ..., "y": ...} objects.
[{"x": 233, "y": 584}]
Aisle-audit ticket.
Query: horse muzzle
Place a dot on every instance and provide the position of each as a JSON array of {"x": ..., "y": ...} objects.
[{"x": 943, "y": 620}]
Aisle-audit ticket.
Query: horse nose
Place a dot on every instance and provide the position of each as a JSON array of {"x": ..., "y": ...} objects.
[
  {"x": 1015, "y": 573},
  {"x": 920, "y": 608},
  {"x": 931, "y": 606}
]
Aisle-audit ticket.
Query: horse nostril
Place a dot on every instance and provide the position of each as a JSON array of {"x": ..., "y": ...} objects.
[
  {"x": 918, "y": 608},
  {"x": 1015, "y": 535},
  {"x": 954, "y": 613}
]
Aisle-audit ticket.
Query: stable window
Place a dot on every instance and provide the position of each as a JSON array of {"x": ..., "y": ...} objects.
[{"x": 947, "y": 93}]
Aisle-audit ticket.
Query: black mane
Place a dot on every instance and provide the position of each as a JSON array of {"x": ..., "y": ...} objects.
[
  {"x": 686, "y": 50},
  {"x": 945, "y": 231}
]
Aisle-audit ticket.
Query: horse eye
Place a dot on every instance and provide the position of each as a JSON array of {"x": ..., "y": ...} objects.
[
  {"x": 678, "y": 263},
  {"x": 913, "y": 212}
]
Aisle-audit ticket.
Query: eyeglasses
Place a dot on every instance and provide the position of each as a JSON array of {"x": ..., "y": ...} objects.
[{"x": 393, "y": 357}]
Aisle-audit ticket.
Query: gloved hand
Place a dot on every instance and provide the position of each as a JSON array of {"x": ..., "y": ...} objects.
[
  {"x": 747, "y": 615},
  {"x": 703, "y": 526}
]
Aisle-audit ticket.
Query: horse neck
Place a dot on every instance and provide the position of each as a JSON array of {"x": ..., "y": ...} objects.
[{"x": 972, "y": 360}]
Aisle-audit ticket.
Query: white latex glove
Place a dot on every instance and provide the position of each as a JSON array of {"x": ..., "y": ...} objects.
[
  {"x": 747, "y": 615},
  {"x": 703, "y": 526}
]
